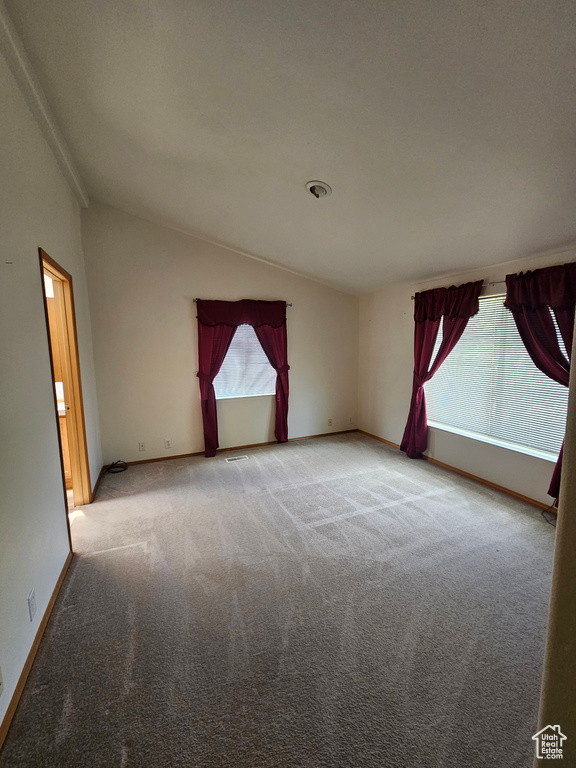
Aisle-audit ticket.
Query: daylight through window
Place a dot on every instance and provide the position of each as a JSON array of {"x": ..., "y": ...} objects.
[
  {"x": 489, "y": 387},
  {"x": 245, "y": 371}
]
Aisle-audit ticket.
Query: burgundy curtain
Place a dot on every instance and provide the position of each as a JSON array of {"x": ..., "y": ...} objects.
[
  {"x": 275, "y": 346},
  {"x": 217, "y": 323},
  {"x": 455, "y": 305},
  {"x": 531, "y": 297}
]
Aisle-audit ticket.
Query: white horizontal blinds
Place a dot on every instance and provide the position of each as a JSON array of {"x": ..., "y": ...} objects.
[
  {"x": 490, "y": 386},
  {"x": 245, "y": 370}
]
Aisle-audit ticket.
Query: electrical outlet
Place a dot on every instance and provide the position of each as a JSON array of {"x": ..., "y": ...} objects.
[
  {"x": 350, "y": 420},
  {"x": 329, "y": 422},
  {"x": 167, "y": 442},
  {"x": 1, "y": 682},
  {"x": 32, "y": 604},
  {"x": 141, "y": 446}
]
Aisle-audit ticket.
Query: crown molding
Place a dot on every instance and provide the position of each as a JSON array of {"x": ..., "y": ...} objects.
[{"x": 19, "y": 63}]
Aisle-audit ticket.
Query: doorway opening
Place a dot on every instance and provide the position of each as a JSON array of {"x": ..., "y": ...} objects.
[{"x": 61, "y": 324}]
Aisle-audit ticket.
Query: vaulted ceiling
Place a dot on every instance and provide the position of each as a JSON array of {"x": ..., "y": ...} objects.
[{"x": 446, "y": 129}]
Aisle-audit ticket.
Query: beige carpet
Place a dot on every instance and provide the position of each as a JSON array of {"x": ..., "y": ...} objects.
[{"x": 327, "y": 602}]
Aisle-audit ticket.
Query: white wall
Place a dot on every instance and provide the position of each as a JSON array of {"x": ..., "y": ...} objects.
[
  {"x": 142, "y": 280},
  {"x": 386, "y": 363},
  {"x": 37, "y": 208}
]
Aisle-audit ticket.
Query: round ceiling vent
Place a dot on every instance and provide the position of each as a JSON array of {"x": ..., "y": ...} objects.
[{"x": 319, "y": 189}]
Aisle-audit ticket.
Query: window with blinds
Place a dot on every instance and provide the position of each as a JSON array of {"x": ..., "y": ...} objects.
[
  {"x": 488, "y": 386},
  {"x": 245, "y": 371}
]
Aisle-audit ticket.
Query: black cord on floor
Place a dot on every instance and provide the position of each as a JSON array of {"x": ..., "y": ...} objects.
[
  {"x": 550, "y": 513},
  {"x": 117, "y": 466}
]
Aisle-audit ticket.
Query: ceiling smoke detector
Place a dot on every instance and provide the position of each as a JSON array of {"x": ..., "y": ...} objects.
[{"x": 319, "y": 189}]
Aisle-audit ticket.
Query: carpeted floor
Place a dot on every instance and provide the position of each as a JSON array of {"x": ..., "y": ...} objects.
[{"x": 326, "y": 603}]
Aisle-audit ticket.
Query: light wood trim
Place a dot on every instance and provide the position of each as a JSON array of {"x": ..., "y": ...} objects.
[
  {"x": 185, "y": 456},
  {"x": 52, "y": 266},
  {"x": 59, "y": 436},
  {"x": 481, "y": 480},
  {"x": 160, "y": 458},
  {"x": 380, "y": 439},
  {"x": 322, "y": 434},
  {"x": 290, "y": 440},
  {"x": 82, "y": 486},
  {"x": 65, "y": 450},
  {"x": 4, "y": 727},
  {"x": 97, "y": 483},
  {"x": 249, "y": 445},
  {"x": 222, "y": 450},
  {"x": 56, "y": 351},
  {"x": 71, "y": 434}
]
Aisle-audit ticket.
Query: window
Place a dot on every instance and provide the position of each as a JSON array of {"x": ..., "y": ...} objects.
[
  {"x": 489, "y": 387},
  {"x": 245, "y": 371}
]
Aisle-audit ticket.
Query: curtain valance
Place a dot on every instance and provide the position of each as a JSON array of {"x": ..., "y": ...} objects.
[
  {"x": 554, "y": 287},
  {"x": 455, "y": 301},
  {"x": 235, "y": 313}
]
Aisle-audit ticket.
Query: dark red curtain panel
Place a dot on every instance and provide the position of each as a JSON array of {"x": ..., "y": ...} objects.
[
  {"x": 531, "y": 297},
  {"x": 454, "y": 306},
  {"x": 213, "y": 343},
  {"x": 275, "y": 345},
  {"x": 217, "y": 323}
]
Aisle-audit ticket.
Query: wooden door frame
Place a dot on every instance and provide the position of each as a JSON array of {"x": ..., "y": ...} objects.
[{"x": 81, "y": 484}]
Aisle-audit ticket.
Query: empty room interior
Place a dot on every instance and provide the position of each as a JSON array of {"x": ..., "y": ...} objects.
[{"x": 288, "y": 438}]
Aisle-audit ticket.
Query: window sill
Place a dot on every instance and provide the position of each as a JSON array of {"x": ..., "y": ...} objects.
[
  {"x": 243, "y": 397},
  {"x": 551, "y": 457}
]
